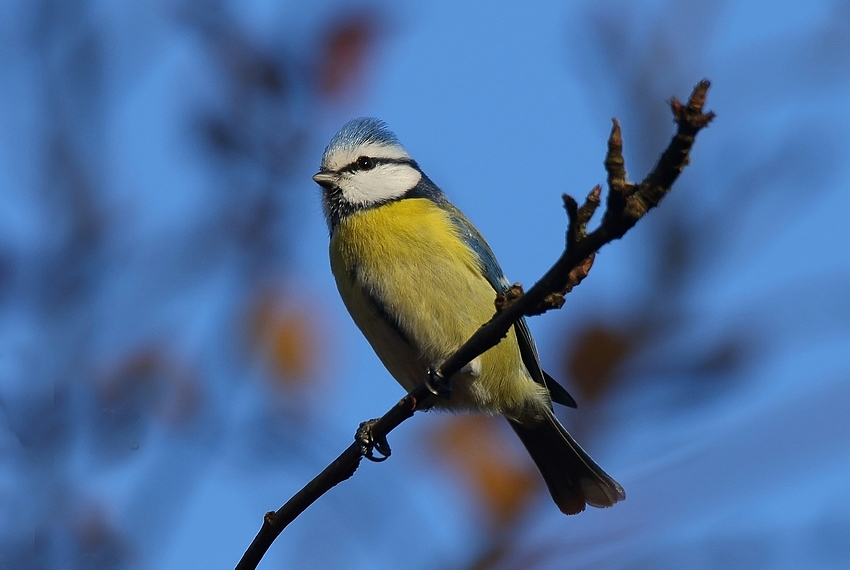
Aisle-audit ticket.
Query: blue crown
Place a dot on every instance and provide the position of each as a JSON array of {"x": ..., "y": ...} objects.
[{"x": 361, "y": 131}]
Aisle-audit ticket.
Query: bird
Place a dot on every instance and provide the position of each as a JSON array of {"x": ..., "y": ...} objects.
[{"x": 418, "y": 279}]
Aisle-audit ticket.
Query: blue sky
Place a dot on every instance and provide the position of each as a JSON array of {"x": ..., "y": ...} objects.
[{"x": 504, "y": 107}]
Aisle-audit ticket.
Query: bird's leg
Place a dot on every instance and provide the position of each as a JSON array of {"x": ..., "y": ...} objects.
[
  {"x": 438, "y": 385},
  {"x": 369, "y": 442}
]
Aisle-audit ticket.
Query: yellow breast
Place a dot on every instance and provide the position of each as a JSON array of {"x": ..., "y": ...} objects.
[{"x": 405, "y": 262}]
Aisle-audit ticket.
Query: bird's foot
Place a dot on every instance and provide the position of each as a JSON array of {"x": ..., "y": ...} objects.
[
  {"x": 438, "y": 385},
  {"x": 369, "y": 442}
]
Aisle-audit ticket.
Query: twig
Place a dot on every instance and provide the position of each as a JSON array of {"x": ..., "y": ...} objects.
[{"x": 626, "y": 204}]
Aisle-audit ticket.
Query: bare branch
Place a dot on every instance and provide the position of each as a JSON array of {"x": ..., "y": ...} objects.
[
  {"x": 338, "y": 471},
  {"x": 626, "y": 204}
]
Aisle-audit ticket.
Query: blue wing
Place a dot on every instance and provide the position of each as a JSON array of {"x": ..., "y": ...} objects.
[{"x": 493, "y": 273}]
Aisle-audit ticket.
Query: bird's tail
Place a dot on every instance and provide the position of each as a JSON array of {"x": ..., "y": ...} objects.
[{"x": 573, "y": 478}]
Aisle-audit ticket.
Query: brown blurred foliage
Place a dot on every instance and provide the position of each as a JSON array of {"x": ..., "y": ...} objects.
[
  {"x": 99, "y": 541},
  {"x": 595, "y": 357},
  {"x": 283, "y": 333},
  {"x": 501, "y": 479},
  {"x": 344, "y": 55}
]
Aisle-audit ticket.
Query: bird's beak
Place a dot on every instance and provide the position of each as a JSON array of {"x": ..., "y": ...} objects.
[{"x": 325, "y": 179}]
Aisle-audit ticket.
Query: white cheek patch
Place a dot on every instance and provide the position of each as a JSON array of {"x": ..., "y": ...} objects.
[
  {"x": 345, "y": 156},
  {"x": 385, "y": 182}
]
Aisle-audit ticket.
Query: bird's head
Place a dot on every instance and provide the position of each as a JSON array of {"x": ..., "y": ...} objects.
[{"x": 364, "y": 166}]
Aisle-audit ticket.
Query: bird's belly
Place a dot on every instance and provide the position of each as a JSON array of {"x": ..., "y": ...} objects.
[
  {"x": 417, "y": 293},
  {"x": 409, "y": 362}
]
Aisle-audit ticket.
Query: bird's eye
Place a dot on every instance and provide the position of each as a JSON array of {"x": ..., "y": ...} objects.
[{"x": 365, "y": 163}]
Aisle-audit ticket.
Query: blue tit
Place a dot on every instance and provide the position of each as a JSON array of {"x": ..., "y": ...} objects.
[{"x": 418, "y": 279}]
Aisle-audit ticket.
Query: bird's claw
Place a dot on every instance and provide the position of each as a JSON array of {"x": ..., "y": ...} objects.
[
  {"x": 438, "y": 385},
  {"x": 369, "y": 442}
]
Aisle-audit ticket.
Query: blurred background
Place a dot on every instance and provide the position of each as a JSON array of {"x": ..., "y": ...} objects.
[{"x": 175, "y": 361}]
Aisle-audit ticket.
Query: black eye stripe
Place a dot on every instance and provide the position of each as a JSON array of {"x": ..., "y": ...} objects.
[{"x": 354, "y": 166}]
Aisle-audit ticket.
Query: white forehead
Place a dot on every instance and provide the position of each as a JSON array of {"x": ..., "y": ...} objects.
[
  {"x": 365, "y": 136},
  {"x": 339, "y": 157}
]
